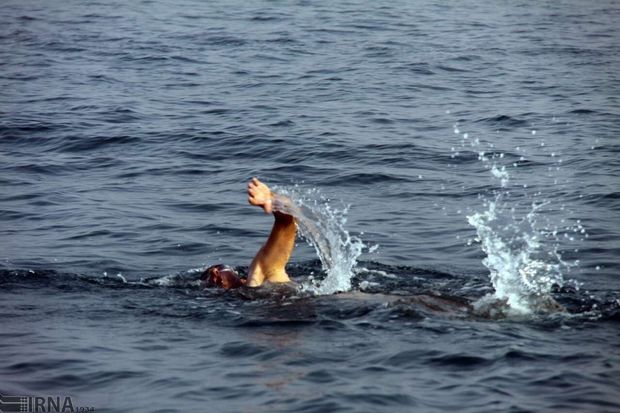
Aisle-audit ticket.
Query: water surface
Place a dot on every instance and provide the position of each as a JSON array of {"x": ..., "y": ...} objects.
[{"x": 128, "y": 132}]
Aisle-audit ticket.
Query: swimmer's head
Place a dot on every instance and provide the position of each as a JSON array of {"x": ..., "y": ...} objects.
[{"x": 222, "y": 276}]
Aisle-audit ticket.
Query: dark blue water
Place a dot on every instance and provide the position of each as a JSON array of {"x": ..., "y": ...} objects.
[{"x": 128, "y": 131}]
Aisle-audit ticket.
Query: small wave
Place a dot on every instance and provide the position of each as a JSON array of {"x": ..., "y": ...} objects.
[
  {"x": 264, "y": 18},
  {"x": 19, "y": 128},
  {"x": 504, "y": 120},
  {"x": 419, "y": 68},
  {"x": 451, "y": 69},
  {"x": 185, "y": 59},
  {"x": 215, "y": 111},
  {"x": 20, "y": 77},
  {"x": 42, "y": 169},
  {"x": 213, "y": 39},
  {"x": 150, "y": 58},
  {"x": 84, "y": 144},
  {"x": 460, "y": 361},
  {"x": 284, "y": 40},
  {"x": 103, "y": 78},
  {"x": 360, "y": 178},
  {"x": 283, "y": 123},
  {"x": 582, "y": 111}
]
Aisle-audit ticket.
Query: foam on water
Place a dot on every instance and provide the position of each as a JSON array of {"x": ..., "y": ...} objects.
[{"x": 323, "y": 227}]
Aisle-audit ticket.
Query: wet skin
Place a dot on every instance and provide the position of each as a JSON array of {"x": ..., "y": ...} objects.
[{"x": 269, "y": 264}]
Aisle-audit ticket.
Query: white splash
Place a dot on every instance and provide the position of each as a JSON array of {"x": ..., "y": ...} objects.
[
  {"x": 519, "y": 239},
  {"x": 521, "y": 271},
  {"x": 323, "y": 228}
]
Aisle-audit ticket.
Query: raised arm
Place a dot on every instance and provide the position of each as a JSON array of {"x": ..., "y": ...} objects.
[{"x": 271, "y": 259}]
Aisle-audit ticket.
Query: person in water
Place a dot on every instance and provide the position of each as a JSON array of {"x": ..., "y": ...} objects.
[
  {"x": 270, "y": 261},
  {"x": 268, "y": 266}
]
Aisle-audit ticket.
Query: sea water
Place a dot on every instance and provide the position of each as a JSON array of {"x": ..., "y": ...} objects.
[{"x": 128, "y": 132}]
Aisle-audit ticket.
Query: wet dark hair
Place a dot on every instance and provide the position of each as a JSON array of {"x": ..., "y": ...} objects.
[
  {"x": 221, "y": 275},
  {"x": 207, "y": 272}
]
